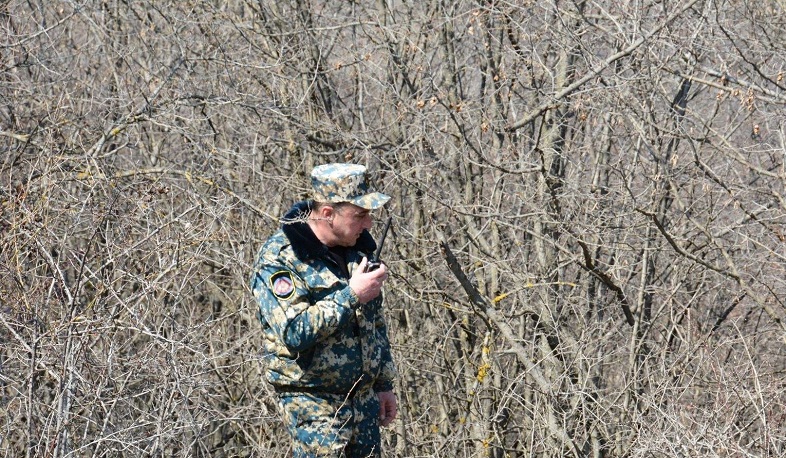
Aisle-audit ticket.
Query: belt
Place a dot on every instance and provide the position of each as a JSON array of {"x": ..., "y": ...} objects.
[{"x": 360, "y": 385}]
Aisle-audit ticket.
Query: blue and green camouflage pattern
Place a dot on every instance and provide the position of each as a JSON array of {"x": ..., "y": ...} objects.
[
  {"x": 316, "y": 334},
  {"x": 345, "y": 183},
  {"x": 319, "y": 342},
  {"x": 332, "y": 425}
]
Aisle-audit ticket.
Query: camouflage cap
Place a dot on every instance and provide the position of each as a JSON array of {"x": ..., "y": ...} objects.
[{"x": 345, "y": 183}]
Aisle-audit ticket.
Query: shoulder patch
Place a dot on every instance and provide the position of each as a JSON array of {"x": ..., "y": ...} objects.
[{"x": 281, "y": 284}]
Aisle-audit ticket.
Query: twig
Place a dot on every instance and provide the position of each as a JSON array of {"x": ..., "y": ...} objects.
[{"x": 555, "y": 100}]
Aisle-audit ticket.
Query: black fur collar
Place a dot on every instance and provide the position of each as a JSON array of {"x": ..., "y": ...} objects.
[{"x": 305, "y": 244}]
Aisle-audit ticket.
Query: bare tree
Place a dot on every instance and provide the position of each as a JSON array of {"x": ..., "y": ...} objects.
[{"x": 587, "y": 248}]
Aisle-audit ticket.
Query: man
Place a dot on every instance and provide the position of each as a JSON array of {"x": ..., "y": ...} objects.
[{"x": 326, "y": 345}]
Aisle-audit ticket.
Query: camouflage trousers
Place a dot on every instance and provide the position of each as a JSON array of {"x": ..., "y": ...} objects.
[{"x": 330, "y": 425}]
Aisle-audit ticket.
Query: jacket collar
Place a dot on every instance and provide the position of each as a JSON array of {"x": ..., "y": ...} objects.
[{"x": 305, "y": 244}]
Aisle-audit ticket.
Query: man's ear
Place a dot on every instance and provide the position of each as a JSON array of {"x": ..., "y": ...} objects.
[{"x": 326, "y": 212}]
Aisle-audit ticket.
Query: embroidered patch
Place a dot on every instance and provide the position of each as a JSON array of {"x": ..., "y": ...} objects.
[{"x": 281, "y": 284}]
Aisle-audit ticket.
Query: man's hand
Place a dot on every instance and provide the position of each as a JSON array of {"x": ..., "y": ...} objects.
[
  {"x": 388, "y": 407},
  {"x": 367, "y": 285}
]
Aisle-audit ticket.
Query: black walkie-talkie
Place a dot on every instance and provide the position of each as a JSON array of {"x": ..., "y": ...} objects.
[{"x": 374, "y": 262}]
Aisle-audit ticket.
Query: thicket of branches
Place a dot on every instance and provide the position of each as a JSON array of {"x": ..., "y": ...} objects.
[{"x": 588, "y": 241}]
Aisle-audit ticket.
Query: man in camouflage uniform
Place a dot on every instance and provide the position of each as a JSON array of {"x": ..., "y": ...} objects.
[{"x": 326, "y": 345}]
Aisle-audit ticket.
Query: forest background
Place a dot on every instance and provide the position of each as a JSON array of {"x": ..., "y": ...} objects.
[{"x": 589, "y": 211}]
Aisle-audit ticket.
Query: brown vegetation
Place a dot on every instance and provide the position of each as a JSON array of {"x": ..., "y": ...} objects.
[{"x": 589, "y": 216}]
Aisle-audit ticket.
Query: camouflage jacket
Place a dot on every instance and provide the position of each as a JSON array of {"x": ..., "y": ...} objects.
[{"x": 317, "y": 337}]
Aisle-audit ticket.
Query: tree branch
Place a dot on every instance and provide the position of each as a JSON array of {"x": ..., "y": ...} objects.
[
  {"x": 557, "y": 98},
  {"x": 489, "y": 314}
]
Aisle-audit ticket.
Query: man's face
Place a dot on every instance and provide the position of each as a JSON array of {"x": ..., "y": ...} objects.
[{"x": 349, "y": 221}]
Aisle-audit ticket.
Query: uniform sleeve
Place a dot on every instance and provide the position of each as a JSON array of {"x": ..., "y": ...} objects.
[{"x": 284, "y": 304}]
